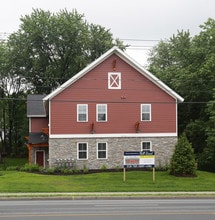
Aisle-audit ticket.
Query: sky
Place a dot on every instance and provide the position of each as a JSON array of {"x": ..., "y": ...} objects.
[{"x": 139, "y": 23}]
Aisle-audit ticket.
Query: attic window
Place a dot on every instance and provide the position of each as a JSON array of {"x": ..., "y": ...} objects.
[{"x": 114, "y": 80}]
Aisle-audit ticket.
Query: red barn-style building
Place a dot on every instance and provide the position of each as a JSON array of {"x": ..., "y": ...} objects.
[{"x": 111, "y": 106}]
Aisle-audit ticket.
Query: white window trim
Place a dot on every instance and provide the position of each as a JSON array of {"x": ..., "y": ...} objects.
[
  {"x": 114, "y": 80},
  {"x": 150, "y": 112},
  {"x": 98, "y": 151},
  {"x": 97, "y": 113},
  {"x": 86, "y": 112},
  {"x": 146, "y": 142},
  {"x": 79, "y": 151}
]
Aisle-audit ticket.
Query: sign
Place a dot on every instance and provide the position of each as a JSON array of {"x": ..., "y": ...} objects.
[{"x": 135, "y": 159}]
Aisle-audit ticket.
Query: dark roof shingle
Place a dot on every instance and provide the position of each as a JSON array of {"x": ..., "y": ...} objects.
[{"x": 38, "y": 138}]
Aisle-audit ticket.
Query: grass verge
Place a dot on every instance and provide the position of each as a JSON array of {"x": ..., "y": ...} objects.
[{"x": 136, "y": 181}]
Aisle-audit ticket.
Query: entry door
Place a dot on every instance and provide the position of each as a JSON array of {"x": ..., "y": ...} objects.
[{"x": 40, "y": 158}]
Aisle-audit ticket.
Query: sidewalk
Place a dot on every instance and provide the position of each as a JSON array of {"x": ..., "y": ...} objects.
[{"x": 106, "y": 195}]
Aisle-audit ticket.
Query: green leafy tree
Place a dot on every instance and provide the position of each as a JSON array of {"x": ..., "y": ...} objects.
[
  {"x": 169, "y": 60},
  {"x": 183, "y": 160},
  {"x": 207, "y": 158},
  {"x": 12, "y": 109},
  {"x": 50, "y": 48},
  {"x": 187, "y": 65}
]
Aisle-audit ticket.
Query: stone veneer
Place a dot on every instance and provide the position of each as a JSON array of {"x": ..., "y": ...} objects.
[{"x": 63, "y": 148}]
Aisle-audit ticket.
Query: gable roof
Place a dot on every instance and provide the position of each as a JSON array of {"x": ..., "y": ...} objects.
[
  {"x": 35, "y": 107},
  {"x": 127, "y": 59}
]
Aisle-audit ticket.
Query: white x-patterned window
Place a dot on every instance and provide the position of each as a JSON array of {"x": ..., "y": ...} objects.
[{"x": 114, "y": 80}]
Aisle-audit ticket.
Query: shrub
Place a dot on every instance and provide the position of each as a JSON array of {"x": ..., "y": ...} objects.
[
  {"x": 85, "y": 169},
  {"x": 183, "y": 160},
  {"x": 12, "y": 168},
  {"x": 104, "y": 167},
  {"x": 30, "y": 168},
  {"x": 66, "y": 171}
]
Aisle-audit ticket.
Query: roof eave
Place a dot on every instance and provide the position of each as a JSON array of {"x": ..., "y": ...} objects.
[
  {"x": 36, "y": 116},
  {"x": 80, "y": 74},
  {"x": 149, "y": 75}
]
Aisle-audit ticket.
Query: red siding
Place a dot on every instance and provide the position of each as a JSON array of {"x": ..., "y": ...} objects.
[
  {"x": 36, "y": 124},
  {"x": 123, "y": 105}
]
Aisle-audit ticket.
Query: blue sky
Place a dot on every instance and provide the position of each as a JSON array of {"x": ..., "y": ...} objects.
[{"x": 145, "y": 20}]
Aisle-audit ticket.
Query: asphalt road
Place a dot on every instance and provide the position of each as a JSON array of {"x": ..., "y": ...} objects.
[{"x": 143, "y": 209}]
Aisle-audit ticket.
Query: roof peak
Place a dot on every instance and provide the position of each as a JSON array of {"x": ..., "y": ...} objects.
[{"x": 128, "y": 60}]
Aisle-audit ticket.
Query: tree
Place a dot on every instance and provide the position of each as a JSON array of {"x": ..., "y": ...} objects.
[
  {"x": 50, "y": 48},
  {"x": 187, "y": 65},
  {"x": 47, "y": 50},
  {"x": 207, "y": 158},
  {"x": 183, "y": 160},
  {"x": 12, "y": 113},
  {"x": 170, "y": 61}
]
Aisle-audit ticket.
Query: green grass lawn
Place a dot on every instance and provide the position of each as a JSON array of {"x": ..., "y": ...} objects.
[
  {"x": 136, "y": 181},
  {"x": 13, "y": 162}
]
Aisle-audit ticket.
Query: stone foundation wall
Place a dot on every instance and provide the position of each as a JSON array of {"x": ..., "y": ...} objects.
[{"x": 67, "y": 149}]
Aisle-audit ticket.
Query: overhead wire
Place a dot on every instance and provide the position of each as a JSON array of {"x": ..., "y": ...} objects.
[
  {"x": 132, "y": 46},
  {"x": 122, "y": 101},
  {"x": 5, "y": 35}
]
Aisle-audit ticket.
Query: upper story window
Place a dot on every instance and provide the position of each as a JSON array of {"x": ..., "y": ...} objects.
[
  {"x": 101, "y": 112},
  {"x": 82, "y": 112},
  {"x": 146, "y": 146},
  {"x": 102, "y": 150},
  {"x": 114, "y": 80},
  {"x": 145, "y": 112}
]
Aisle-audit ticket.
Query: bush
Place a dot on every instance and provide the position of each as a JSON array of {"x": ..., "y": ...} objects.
[
  {"x": 183, "y": 160},
  {"x": 104, "y": 167},
  {"x": 11, "y": 163},
  {"x": 13, "y": 168},
  {"x": 30, "y": 168},
  {"x": 85, "y": 169}
]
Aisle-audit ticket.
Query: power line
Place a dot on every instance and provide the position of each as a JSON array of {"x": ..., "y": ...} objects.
[
  {"x": 5, "y": 35},
  {"x": 108, "y": 101},
  {"x": 140, "y": 40},
  {"x": 123, "y": 39},
  {"x": 106, "y": 79}
]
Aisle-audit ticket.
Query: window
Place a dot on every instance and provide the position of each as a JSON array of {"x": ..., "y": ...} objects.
[
  {"x": 145, "y": 112},
  {"x": 82, "y": 112},
  {"x": 101, "y": 115},
  {"x": 82, "y": 151},
  {"x": 114, "y": 80},
  {"x": 102, "y": 150},
  {"x": 146, "y": 146}
]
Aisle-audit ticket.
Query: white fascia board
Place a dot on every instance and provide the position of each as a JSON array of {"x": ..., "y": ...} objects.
[
  {"x": 80, "y": 74},
  {"x": 36, "y": 116},
  {"x": 128, "y": 60},
  {"x": 112, "y": 135},
  {"x": 148, "y": 75}
]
